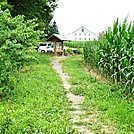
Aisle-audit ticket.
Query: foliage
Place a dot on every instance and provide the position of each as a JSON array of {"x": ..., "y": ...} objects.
[
  {"x": 75, "y": 44},
  {"x": 4, "y": 5},
  {"x": 103, "y": 104},
  {"x": 91, "y": 50},
  {"x": 74, "y": 51},
  {"x": 39, "y": 103},
  {"x": 16, "y": 35},
  {"x": 53, "y": 29},
  {"x": 69, "y": 50},
  {"x": 113, "y": 54},
  {"x": 41, "y": 10},
  {"x": 79, "y": 51}
]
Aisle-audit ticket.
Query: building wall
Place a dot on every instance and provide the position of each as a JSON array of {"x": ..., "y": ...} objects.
[{"x": 82, "y": 34}]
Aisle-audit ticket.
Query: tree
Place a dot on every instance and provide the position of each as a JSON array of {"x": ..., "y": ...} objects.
[
  {"x": 4, "y": 5},
  {"x": 41, "y": 10},
  {"x": 16, "y": 35},
  {"x": 53, "y": 29}
]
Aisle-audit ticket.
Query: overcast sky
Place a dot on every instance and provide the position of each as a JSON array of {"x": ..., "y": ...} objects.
[{"x": 95, "y": 15}]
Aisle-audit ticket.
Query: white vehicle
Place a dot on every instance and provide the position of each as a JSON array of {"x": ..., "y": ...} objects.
[{"x": 46, "y": 47}]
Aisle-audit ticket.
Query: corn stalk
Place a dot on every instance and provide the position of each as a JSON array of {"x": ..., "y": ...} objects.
[{"x": 113, "y": 54}]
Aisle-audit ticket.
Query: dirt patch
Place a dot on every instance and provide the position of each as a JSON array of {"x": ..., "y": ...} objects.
[{"x": 56, "y": 66}]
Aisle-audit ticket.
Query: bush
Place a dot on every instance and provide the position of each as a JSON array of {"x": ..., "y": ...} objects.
[
  {"x": 16, "y": 35},
  {"x": 69, "y": 50},
  {"x": 79, "y": 50}
]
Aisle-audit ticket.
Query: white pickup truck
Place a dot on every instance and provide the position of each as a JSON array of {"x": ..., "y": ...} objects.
[{"x": 46, "y": 47}]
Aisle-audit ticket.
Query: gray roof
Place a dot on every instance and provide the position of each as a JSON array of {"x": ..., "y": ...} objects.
[{"x": 59, "y": 37}]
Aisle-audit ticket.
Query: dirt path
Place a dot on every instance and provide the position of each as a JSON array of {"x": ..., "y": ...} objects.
[{"x": 74, "y": 99}]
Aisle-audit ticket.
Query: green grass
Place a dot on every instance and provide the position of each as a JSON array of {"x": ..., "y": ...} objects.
[
  {"x": 37, "y": 104},
  {"x": 116, "y": 109}
]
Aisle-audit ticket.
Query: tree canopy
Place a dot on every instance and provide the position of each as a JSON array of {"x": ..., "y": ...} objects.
[
  {"x": 41, "y": 10},
  {"x": 53, "y": 29}
]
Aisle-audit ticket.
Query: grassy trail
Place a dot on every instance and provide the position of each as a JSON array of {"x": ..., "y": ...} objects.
[
  {"x": 39, "y": 104},
  {"x": 107, "y": 110},
  {"x": 75, "y": 100}
]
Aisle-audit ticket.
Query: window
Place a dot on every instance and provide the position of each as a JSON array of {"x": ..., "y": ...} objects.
[
  {"x": 75, "y": 38},
  {"x": 82, "y": 30},
  {"x": 85, "y": 34},
  {"x": 43, "y": 44},
  {"x": 85, "y": 38},
  {"x": 89, "y": 34},
  {"x": 80, "y": 34},
  {"x": 75, "y": 34},
  {"x": 79, "y": 38}
]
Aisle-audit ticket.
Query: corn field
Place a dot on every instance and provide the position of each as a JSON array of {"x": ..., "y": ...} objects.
[
  {"x": 75, "y": 44},
  {"x": 113, "y": 54}
]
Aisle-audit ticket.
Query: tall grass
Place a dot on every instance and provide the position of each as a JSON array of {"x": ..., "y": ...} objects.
[{"x": 113, "y": 54}]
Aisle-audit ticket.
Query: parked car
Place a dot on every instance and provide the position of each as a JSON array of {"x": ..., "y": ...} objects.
[{"x": 46, "y": 47}]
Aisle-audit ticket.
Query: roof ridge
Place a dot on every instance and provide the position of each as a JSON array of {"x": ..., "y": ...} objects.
[
  {"x": 59, "y": 37},
  {"x": 85, "y": 28}
]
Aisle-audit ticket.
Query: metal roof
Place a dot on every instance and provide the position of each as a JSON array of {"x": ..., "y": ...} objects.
[{"x": 58, "y": 37}]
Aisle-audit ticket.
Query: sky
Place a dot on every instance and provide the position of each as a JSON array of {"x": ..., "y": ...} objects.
[{"x": 95, "y": 15}]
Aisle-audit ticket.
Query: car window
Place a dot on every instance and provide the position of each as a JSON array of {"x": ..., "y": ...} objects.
[{"x": 43, "y": 44}]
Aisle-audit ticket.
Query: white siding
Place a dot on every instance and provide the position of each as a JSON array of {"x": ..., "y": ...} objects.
[{"x": 82, "y": 34}]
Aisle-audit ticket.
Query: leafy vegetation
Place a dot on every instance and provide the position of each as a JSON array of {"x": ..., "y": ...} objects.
[
  {"x": 113, "y": 55},
  {"x": 75, "y": 44},
  {"x": 116, "y": 109},
  {"x": 16, "y": 36},
  {"x": 74, "y": 47},
  {"x": 38, "y": 103},
  {"x": 4, "y": 5},
  {"x": 41, "y": 10},
  {"x": 54, "y": 29},
  {"x": 33, "y": 100}
]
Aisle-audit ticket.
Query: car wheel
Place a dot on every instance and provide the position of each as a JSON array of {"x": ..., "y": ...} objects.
[{"x": 42, "y": 51}]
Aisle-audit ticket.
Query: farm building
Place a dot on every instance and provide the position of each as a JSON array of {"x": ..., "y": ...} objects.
[
  {"x": 82, "y": 34},
  {"x": 58, "y": 40}
]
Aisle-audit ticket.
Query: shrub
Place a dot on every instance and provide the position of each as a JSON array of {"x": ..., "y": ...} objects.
[
  {"x": 69, "y": 50},
  {"x": 16, "y": 35},
  {"x": 79, "y": 50}
]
